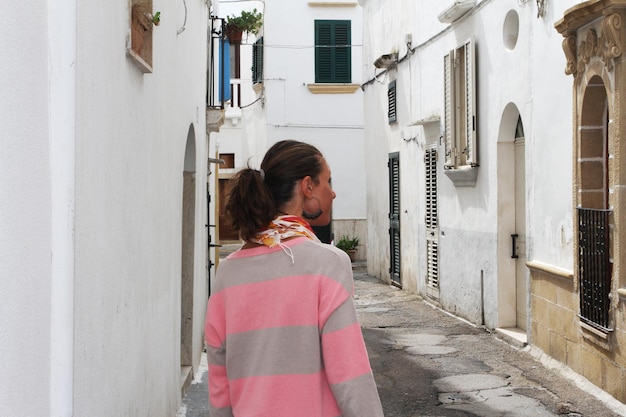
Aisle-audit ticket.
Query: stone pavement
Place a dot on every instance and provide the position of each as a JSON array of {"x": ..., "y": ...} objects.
[{"x": 429, "y": 363}]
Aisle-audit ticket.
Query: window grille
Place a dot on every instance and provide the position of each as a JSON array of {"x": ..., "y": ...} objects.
[{"x": 594, "y": 267}]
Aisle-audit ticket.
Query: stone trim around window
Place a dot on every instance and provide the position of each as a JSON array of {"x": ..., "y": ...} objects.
[
  {"x": 333, "y": 4},
  {"x": 333, "y": 88}
]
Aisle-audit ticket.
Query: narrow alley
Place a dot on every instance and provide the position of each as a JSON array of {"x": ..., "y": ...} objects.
[{"x": 429, "y": 363}]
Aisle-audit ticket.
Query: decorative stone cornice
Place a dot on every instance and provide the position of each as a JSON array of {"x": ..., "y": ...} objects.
[
  {"x": 607, "y": 46},
  {"x": 611, "y": 40}
]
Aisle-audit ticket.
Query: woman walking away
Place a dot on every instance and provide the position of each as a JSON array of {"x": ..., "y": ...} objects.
[{"x": 283, "y": 339}]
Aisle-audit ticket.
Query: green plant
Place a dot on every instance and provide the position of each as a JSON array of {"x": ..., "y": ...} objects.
[
  {"x": 346, "y": 243},
  {"x": 156, "y": 18},
  {"x": 245, "y": 22}
]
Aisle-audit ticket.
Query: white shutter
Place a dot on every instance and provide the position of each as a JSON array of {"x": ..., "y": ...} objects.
[
  {"x": 470, "y": 104},
  {"x": 432, "y": 231},
  {"x": 449, "y": 122},
  {"x": 430, "y": 159}
]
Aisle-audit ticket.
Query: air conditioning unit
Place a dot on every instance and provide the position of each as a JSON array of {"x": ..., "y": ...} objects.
[{"x": 456, "y": 10}]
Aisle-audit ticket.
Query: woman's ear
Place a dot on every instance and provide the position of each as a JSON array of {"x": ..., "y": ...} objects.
[{"x": 306, "y": 186}]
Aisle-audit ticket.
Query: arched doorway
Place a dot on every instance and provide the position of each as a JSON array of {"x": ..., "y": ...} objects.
[
  {"x": 187, "y": 259},
  {"x": 513, "y": 274}
]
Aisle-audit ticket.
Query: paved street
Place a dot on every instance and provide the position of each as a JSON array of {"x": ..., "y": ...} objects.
[{"x": 429, "y": 363}]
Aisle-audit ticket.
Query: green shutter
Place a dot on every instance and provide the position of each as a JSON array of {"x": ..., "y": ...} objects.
[
  {"x": 333, "y": 54},
  {"x": 257, "y": 61}
]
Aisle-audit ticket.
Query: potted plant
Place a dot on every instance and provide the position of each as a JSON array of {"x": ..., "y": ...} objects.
[
  {"x": 246, "y": 22},
  {"x": 348, "y": 245}
]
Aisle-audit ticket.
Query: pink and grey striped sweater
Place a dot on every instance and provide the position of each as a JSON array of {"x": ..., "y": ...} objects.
[{"x": 283, "y": 337}]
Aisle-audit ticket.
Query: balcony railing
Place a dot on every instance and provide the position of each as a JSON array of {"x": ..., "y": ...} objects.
[{"x": 594, "y": 267}]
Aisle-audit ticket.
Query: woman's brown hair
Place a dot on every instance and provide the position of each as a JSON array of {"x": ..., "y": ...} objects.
[{"x": 256, "y": 196}]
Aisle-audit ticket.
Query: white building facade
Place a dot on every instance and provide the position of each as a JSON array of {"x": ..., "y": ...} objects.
[
  {"x": 103, "y": 167},
  {"x": 495, "y": 179},
  {"x": 295, "y": 98},
  {"x": 483, "y": 183}
]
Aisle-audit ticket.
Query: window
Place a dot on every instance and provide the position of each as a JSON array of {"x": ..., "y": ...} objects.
[
  {"x": 332, "y": 51},
  {"x": 257, "y": 61},
  {"x": 141, "y": 26},
  {"x": 594, "y": 267},
  {"x": 229, "y": 160},
  {"x": 460, "y": 108},
  {"x": 391, "y": 99},
  {"x": 595, "y": 260}
]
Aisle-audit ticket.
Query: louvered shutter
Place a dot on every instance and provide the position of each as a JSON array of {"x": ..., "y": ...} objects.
[
  {"x": 430, "y": 160},
  {"x": 257, "y": 61},
  {"x": 323, "y": 54},
  {"x": 449, "y": 122},
  {"x": 431, "y": 223},
  {"x": 470, "y": 104},
  {"x": 333, "y": 55},
  {"x": 343, "y": 66},
  {"x": 391, "y": 102},
  {"x": 394, "y": 218}
]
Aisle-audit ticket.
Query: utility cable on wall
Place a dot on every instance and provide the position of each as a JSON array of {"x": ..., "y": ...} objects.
[{"x": 182, "y": 29}]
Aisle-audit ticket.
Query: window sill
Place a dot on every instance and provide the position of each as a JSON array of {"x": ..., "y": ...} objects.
[
  {"x": 463, "y": 176},
  {"x": 426, "y": 121},
  {"x": 596, "y": 337},
  {"x": 551, "y": 270},
  {"x": 139, "y": 61},
  {"x": 333, "y": 4},
  {"x": 333, "y": 88}
]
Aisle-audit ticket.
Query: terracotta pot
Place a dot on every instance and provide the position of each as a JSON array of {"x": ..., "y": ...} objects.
[{"x": 234, "y": 35}]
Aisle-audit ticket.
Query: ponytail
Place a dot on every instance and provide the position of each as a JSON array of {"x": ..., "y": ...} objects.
[{"x": 250, "y": 206}]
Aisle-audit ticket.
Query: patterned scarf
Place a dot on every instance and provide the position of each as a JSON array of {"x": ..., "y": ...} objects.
[{"x": 283, "y": 227}]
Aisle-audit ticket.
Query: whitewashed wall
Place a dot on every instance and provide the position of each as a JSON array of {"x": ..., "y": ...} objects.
[
  {"x": 25, "y": 212},
  {"x": 91, "y": 164},
  {"x": 530, "y": 79}
]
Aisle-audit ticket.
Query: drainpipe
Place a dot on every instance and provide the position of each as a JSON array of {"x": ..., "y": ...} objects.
[{"x": 62, "y": 124}]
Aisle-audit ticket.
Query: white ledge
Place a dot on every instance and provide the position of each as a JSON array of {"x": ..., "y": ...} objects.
[
  {"x": 463, "y": 176},
  {"x": 333, "y": 88},
  {"x": 425, "y": 121},
  {"x": 333, "y": 4},
  {"x": 550, "y": 269},
  {"x": 456, "y": 10}
]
